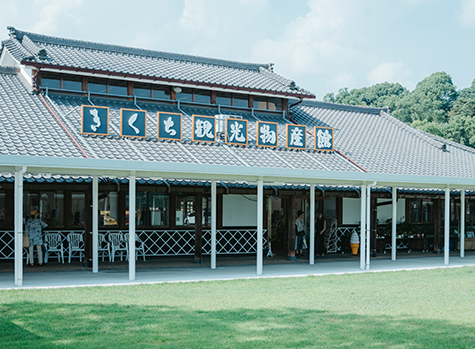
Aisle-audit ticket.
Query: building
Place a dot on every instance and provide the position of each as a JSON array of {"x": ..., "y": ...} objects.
[{"x": 148, "y": 139}]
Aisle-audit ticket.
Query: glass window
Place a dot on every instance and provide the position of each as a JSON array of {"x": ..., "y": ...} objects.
[
  {"x": 78, "y": 204},
  {"x": 108, "y": 210},
  {"x": 117, "y": 87},
  {"x": 415, "y": 210},
  {"x": 142, "y": 90},
  {"x": 97, "y": 85},
  {"x": 223, "y": 98},
  {"x": 2, "y": 209},
  {"x": 202, "y": 96},
  {"x": 427, "y": 211},
  {"x": 50, "y": 80},
  {"x": 141, "y": 211},
  {"x": 241, "y": 101},
  {"x": 185, "y": 211},
  {"x": 275, "y": 103},
  {"x": 158, "y": 208},
  {"x": 260, "y": 102},
  {"x": 49, "y": 204},
  {"x": 72, "y": 82},
  {"x": 186, "y": 95},
  {"x": 161, "y": 92}
]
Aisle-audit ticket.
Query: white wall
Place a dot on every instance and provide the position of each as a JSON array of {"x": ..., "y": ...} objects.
[
  {"x": 239, "y": 210},
  {"x": 352, "y": 210}
]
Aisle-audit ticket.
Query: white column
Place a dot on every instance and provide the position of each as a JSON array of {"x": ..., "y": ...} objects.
[
  {"x": 95, "y": 224},
  {"x": 393, "y": 228},
  {"x": 363, "y": 227},
  {"x": 368, "y": 225},
  {"x": 260, "y": 203},
  {"x": 463, "y": 214},
  {"x": 213, "y": 224},
  {"x": 132, "y": 226},
  {"x": 447, "y": 226},
  {"x": 18, "y": 233},
  {"x": 312, "y": 224}
]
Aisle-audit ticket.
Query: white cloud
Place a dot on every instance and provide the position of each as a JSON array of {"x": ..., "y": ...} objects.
[
  {"x": 467, "y": 13},
  {"x": 194, "y": 15},
  {"x": 389, "y": 72},
  {"x": 54, "y": 13},
  {"x": 343, "y": 80}
]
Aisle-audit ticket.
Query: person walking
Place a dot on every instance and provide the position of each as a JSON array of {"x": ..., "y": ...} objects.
[{"x": 33, "y": 229}]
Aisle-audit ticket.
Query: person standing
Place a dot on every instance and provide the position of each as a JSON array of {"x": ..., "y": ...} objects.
[
  {"x": 320, "y": 226},
  {"x": 33, "y": 229},
  {"x": 300, "y": 229}
]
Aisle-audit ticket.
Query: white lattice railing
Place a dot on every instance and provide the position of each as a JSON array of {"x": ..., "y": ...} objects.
[
  {"x": 7, "y": 245},
  {"x": 166, "y": 242},
  {"x": 182, "y": 242}
]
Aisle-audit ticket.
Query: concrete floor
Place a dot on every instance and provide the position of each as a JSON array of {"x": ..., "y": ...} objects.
[{"x": 181, "y": 269}]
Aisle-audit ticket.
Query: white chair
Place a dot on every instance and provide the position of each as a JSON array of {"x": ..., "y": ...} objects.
[
  {"x": 76, "y": 244},
  {"x": 54, "y": 244},
  {"x": 103, "y": 246},
  {"x": 139, "y": 245},
  {"x": 118, "y": 244}
]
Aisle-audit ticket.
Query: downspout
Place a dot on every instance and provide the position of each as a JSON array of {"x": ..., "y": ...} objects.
[{"x": 291, "y": 113}]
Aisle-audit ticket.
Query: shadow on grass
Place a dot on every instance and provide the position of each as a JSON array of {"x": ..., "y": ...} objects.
[{"x": 33, "y": 325}]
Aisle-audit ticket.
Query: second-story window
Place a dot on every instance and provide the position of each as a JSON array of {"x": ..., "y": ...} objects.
[
  {"x": 72, "y": 82},
  {"x": 51, "y": 80},
  {"x": 223, "y": 98},
  {"x": 161, "y": 92},
  {"x": 241, "y": 101},
  {"x": 117, "y": 87},
  {"x": 260, "y": 102},
  {"x": 142, "y": 90},
  {"x": 186, "y": 95},
  {"x": 202, "y": 96},
  {"x": 97, "y": 85}
]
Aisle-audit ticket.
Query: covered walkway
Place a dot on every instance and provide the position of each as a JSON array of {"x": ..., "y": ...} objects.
[{"x": 193, "y": 273}]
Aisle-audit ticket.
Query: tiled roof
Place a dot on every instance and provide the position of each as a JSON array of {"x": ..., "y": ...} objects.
[
  {"x": 26, "y": 126},
  {"x": 382, "y": 144},
  {"x": 42, "y": 50}
]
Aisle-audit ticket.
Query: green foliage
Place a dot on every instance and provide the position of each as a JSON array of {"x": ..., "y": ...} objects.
[{"x": 434, "y": 106}]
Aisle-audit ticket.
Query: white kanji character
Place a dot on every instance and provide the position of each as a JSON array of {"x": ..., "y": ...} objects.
[
  {"x": 236, "y": 132},
  {"x": 324, "y": 139},
  {"x": 267, "y": 135},
  {"x": 296, "y": 137},
  {"x": 203, "y": 129}
]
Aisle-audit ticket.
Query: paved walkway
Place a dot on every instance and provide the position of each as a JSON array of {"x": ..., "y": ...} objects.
[{"x": 81, "y": 278}]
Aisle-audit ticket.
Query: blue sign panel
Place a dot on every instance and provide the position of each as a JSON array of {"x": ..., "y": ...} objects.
[
  {"x": 323, "y": 138},
  {"x": 267, "y": 134},
  {"x": 204, "y": 129},
  {"x": 133, "y": 123},
  {"x": 236, "y": 131},
  {"x": 169, "y": 126},
  {"x": 95, "y": 120},
  {"x": 296, "y": 136}
]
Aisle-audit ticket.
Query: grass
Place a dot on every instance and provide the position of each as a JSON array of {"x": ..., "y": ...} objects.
[{"x": 416, "y": 309}]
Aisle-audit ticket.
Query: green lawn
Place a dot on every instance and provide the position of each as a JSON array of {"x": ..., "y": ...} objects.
[{"x": 416, "y": 309}]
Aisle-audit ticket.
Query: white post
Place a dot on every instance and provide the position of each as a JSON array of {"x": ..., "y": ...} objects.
[
  {"x": 260, "y": 203},
  {"x": 363, "y": 227},
  {"x": 95, "y": 224},
  {"x": 447, "y": 227},
  {"x": 368, "y": 225},
  {"x": 18, "y": 233},
  {"x": 213, "y": 224},
  {"x": 132, "y": 226},
  {"x": 393, "y": 228},
  {"x": 312, "y": 224},
  {"x": 462, "y": 223}
]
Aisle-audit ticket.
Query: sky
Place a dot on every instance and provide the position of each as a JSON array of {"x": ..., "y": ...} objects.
[{"x": 321, "y": 45}]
